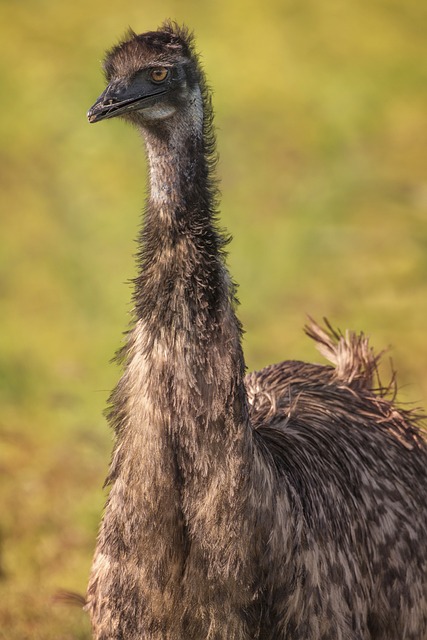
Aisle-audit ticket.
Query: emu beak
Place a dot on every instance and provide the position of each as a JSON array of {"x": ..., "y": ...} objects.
[
  {"x": 117, "y": 100},
  {"x": 112, "y": 102}
]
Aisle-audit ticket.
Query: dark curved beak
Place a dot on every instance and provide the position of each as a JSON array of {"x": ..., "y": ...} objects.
[{"x": 117, "y": 100}]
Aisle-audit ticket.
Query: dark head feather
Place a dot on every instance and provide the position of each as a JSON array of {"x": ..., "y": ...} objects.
[{"x": 170, "y": 44}]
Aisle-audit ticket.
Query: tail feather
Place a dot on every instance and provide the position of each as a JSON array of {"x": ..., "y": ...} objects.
[{"x": 355, "y": 361}]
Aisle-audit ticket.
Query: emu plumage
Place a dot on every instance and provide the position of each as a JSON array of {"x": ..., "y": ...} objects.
[{"x": 290, "y": 503}]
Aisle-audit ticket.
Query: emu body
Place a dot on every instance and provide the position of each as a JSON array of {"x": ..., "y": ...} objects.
[{"x": 290, "y": 503}]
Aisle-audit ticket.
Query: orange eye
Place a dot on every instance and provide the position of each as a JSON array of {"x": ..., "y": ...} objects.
[{"x": 158, "y": 75}]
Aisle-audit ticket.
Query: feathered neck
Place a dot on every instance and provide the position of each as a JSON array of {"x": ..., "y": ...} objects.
[
  {"x": 186, "y": 328},
  {"x": 182, "y": 279}
]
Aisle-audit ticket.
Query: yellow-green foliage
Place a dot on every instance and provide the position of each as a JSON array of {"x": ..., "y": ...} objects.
[{"x": 321, "y": 109}]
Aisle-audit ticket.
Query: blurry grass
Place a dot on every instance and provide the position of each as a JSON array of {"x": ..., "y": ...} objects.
[{"x": 321, "y": 116}]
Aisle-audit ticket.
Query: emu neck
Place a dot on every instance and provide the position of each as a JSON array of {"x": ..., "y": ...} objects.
[{"x": 187, "y": 332}]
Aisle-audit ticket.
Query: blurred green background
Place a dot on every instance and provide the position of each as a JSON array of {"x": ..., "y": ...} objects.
[{"x": 321, "y": 115}]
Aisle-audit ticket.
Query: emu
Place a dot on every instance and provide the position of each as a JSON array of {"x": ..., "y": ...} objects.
[{"x": 290, "y": 503}]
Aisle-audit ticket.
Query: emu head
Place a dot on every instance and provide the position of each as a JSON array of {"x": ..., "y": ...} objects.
[{"x": 150, "y": 77}]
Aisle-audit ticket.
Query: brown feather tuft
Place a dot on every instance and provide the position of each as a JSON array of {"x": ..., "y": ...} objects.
[
  {"x": 355, "y": 361},
  {"x": 69, "y": 598}
]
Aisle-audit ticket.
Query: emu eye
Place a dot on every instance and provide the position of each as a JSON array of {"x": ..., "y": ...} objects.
[{"x": 159, "y": 75}]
